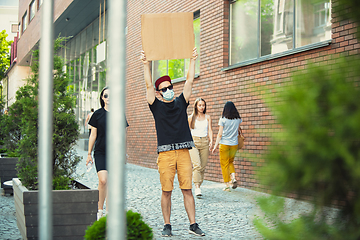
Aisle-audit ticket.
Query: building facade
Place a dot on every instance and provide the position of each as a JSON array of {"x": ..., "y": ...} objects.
[
  {"x": 9, "y": 23},
  {"x": 241, "y": 44},
  {"x": 9, "y": 18},
  {"x": 83, "y": 25}
]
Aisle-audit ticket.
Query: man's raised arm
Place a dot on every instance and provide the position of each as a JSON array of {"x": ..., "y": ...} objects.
[
  {"x": 190, "y": 77},
  {"x": 150, "y": 91}
]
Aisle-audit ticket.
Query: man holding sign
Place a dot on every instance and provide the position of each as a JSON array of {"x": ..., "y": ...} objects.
[{"x": 174, "y": 140}]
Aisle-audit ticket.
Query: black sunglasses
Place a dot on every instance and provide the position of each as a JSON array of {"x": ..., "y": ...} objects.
[
  {"x": 106, "y": 96},
  {"x": 170, "y": 87}
]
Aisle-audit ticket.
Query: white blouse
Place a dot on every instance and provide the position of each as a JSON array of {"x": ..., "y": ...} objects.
[{"x": 200, "y": 128}]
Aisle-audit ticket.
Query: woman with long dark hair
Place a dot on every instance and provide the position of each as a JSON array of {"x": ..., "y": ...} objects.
[
  {"x": 98, "y": 137},
  {"x": 227, "y": 137},
  {"x": 201, "y": 131}
]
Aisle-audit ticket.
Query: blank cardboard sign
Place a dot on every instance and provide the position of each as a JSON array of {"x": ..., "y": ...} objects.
[{"x": 167, "y": 35}]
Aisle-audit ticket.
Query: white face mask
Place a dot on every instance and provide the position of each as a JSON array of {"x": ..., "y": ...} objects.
[{"x": 168, "y": 95}]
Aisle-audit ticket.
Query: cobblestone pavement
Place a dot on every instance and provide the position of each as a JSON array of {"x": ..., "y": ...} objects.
[
  {"x": 8, "y": 227},
  {"x": 221, "y": 215}
]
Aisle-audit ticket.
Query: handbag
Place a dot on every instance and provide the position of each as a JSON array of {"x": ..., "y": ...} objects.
[{"x": 241, "y": 140}]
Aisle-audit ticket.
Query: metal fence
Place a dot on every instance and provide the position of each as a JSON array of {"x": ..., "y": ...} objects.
[{"x": 116, "y": 227}]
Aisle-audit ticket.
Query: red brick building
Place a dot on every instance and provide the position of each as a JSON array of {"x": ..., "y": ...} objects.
[{"x": 242, "y": 45}]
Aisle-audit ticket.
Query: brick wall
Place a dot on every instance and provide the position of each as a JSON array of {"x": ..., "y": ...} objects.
[{"x": 216, "y": 86}]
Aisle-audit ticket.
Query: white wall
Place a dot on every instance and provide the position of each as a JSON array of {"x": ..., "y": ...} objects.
[
  {"x": 8, "y": 16},
  {"x": 16, "y": 78}
]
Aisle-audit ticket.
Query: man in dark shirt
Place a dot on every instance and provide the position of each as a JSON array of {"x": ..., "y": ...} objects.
[{"x": 174, "y": 140}]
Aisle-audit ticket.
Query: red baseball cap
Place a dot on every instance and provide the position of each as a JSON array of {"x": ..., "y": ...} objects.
[{"x": 160, "y": 80}]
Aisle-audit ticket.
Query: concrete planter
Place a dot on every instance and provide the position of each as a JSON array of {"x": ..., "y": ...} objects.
[
  {"x": 73, "y": 211},
  {"x": 7, "y": 172}
]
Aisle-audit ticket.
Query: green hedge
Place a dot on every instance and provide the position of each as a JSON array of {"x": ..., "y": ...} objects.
[
  {"x": 136, "y": 228},
  {"x": 316, "y": 154}
]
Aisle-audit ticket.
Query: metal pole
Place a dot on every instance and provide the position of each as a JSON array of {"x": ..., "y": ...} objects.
[
  {"x": 45, "y": 122},
  {"x": 116, "y": 122},
  {"x": 294, "y": 24}
]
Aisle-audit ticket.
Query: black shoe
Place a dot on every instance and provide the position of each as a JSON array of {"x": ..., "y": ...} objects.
[
  {"x": 166, "y": 232},
  {"x": 194, "y": 229}
]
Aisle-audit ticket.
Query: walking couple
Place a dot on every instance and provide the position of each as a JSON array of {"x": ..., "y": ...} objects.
[{"x": 227, "y": 139}]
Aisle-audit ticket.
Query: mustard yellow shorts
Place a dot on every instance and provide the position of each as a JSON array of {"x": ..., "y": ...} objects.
[{"x": 171, "y": 161}]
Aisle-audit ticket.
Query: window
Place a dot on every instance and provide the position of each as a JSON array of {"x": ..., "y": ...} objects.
[
  {"x": 14, "y": 28},
  {"x": 261, "y": 28},
  {"x": 24, "y": 22},
  {"x": 87, "y": 70},
  {"x": 321, "y": 17},
  {"x": 32, "y": 10},
  {"x": 177, "y": 68},
  {"x": 39, "y": 3}
]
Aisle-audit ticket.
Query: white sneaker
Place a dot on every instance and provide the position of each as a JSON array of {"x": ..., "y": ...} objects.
[
  {"x": 99, "y": 214},
  {"x": 198, "y": 192},
  {"x": 234, "y": 183}
]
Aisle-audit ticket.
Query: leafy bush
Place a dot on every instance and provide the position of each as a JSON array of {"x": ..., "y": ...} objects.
[
  {"x": 2, "y": 119},
  {"x": 4, "y": 53},
  {"x": 12, "y": 123},
  {"x": 136, "y": 228},
  {"x": 22, "y": 126},
  {"x": 97, "y": 231},
  {"x": 61, "y": 183},
  {"x": 316, "y": 155}
]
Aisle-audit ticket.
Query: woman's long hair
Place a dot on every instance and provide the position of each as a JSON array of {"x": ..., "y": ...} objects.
[
  {"x": 230, "y": 111},
  {"x": 102, "y": 103},
  {"x": 195, "y": 112}
]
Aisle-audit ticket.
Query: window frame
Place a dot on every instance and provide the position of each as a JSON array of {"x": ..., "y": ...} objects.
[
  {"x": 31, "y": 6},
  {"x": 12, "y": 27},
  {"x": 318, "y": 12},
  {"x": 24, "y": 22},
  {"x": 39, "y": 3},
  {"x": 259, "y": 58}
]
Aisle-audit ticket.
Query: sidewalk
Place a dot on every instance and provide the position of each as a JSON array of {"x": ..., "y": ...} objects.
[
  {"x": 8, "y": 227},
  {"x": 221, "y": 215}
]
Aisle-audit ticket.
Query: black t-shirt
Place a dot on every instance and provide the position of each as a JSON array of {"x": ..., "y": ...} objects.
[
  {"x": 172, "y": 127},
  {"x": 98, "y": 120}
]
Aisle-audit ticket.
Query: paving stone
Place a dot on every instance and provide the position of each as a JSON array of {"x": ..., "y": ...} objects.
[
  {"x": 8, "y": 227},
  {"x": 221, "y": 215}
]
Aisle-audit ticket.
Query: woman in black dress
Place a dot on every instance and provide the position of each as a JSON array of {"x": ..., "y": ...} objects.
[{"x": 98, "y": 137}]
